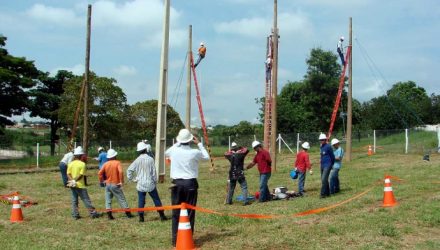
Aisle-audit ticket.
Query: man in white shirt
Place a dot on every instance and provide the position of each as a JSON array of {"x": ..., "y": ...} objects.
[
  {"x": 184, "y": 173},
  {"x": 67, "y": 158},
  {"x": 143, "y": 172}
]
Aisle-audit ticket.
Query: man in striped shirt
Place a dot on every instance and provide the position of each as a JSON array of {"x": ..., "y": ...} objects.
[{"x": 143, "y": 172}]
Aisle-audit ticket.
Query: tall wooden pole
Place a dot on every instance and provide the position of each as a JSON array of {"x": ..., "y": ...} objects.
[
  {"x": 161, "y": 125},
  {"x": 86, "y": 83},
  {"x": 350, "y": 93},
  {"x": 274, "y": 87},
  {"x": 188, "y": 81}
]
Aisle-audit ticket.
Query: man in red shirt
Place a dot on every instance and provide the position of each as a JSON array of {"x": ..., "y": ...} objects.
[
  {"x": 302, "y": 164},
  {"x": 112, "y": 170},
  {"x": 262, "y": 158}
]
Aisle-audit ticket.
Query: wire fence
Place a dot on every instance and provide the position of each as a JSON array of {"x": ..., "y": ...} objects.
[{"x": 32, "y": 149}]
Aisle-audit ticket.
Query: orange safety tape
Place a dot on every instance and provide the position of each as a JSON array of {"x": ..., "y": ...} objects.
[
  {"x": 141, "y": 209},
  {"x": 394, "y": 178}
]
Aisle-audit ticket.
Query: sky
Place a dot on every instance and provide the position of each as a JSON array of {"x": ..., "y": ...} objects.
[{"x": 394, "y": 40}]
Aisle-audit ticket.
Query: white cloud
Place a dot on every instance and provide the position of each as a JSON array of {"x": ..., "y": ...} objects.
[
  {"x": 57, "y": 16},
  {"x": 77, "y": 69},
  {"x": 124, "y": 70},
  {"x": 252, "y": 27}
]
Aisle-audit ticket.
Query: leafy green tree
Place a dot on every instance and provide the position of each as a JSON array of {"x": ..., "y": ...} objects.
[
  {"x": 17, "y": 75},
  {"x": 142, "y": 118},
  {"x": 435, "y": 109},
  {"x": 45, "y": 101},
  {"x": 107, "y": 106}
]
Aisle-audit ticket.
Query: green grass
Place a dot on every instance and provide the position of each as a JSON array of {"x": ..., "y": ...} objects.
[{"x": 359, "y": 224}]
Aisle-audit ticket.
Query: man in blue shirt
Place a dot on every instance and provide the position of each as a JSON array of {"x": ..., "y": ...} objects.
[
  {"x": 327, "y": 161},
  {"x": 334, "y": 174},
  {"x": 102, "y": 158}
]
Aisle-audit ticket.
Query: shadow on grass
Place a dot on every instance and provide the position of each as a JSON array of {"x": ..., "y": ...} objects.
[{"x": 211, "y": 236}]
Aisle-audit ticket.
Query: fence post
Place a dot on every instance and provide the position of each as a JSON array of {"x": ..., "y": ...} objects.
[
  {"x": 110, "y": 143},
  {"x": 229, "y": 142},
  {"x": 374, "y": 141},
  {"x": 38, "y": 155},
  {"x": 255, "y": 137},
  {"x": 406, "y": 141},
  {"x": 438, "y": 137},
  {"x": 75, "y": 145},
  {"x": 279, "y": 143},
  {"x": 297, "y": 143}
]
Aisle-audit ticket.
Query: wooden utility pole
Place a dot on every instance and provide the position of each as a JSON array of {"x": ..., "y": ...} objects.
[
  {"x": 350, "y": 94},
  {"x": 161, "y": 125},
  {"x": 86, "y": 83},
  {"x": 274, "y": 88},
  {"x": 188, "y": 81}
]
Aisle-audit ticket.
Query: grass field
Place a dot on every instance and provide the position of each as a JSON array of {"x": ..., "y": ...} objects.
[{"x": 359, "y": 224}]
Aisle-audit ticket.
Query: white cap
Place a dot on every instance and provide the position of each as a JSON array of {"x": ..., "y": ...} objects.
[
  {"x": 78, "y": 151},
  {"x": 202, "y": 44},
  {"x": 100, "y": 148},
  {"x": 111, "y": 153},
  {"x": 335, "y": 141},
  {"x": 141, "y": 146},
  {"x": 322, "y": 137},
  {"x": 255, "y": 144},
  {"x": 184, "y": 136},
  {"x": 342, "y": 38},
  {"x": 305, "y": 145},
  {"x": 233, "y": 144}
]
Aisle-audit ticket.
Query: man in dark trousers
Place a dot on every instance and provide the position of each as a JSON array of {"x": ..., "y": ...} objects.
[
  {"x": 184, "y": 172},
  {"x": 327, "y": 161},
  {"x": 202, "y": 53},
  {"x": 340, "y": 49},
  {"x": 264, "y": 162},
  {"x": 236, "y": 157}
]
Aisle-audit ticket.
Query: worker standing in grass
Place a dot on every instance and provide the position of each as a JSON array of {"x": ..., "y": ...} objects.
[
  {"x": 264, "y": 162},
  {"x": 143, "y": 172},
  {"x": 202, "y": 53},
  {"x": 236, "y": 157},
  {"x": 102, "y": 158},
  {"x": 327, "y": 160},
  {"x": 112, "y": 170},
  {"x": 334, "y": 174},
  {"x": 302, "y": 164},
  {"x": 184, "y": 172},
  {"x": 67, "y": 158},
  {"x": 76, "y": 171}
]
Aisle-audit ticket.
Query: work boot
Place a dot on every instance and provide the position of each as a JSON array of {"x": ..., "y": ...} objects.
[
  {"x": 141, "y": 218},
  {"x": 110, "y": 216},
  {"x": 162, "y": 216},
  {"x": 129, "y": 215}
]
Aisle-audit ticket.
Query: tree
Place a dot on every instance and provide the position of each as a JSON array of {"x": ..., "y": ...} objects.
[
  {"x": 142, "y": 117},
  {"x": 107, "y": 106},
  {"x": 435, "y": 109},
  {"x": 16, "y": 76},
  {"x": 45, "y": 101}
]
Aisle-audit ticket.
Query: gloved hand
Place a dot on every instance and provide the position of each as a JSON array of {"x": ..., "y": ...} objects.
[
  {"x": 311, "y": 172},
  {"x": 71, "y": 183}
]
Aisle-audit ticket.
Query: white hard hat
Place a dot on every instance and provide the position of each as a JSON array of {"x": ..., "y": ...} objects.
[
  {"x": 342, "y": 38},
  {"x": 255, "y": 144},
  {"x": 233, "y": 144},
  {"x": 202, "y": 44},
  {"x": 141, "y": 146},
  {"x": 184, "y": 136},
  {"x": 100, "y": 148},
  {"x": 335, "y": 141},
  {"x": 78, "y": 151},
  {"x": 111, "y": 153},
  {"x": 322, "y": 137},
  {"x": 305, "y": 145}
]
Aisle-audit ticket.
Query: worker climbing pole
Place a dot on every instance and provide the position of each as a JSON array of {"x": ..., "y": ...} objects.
[
  {"x": 202, "y": 117},
  {"x": 338, "y": 96},
  {"x": 268, "y": 95}
]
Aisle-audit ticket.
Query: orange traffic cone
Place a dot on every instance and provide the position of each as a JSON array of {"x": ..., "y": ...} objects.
[
  {"x": 370, "y": 150},
  {"x": 16, "y": 213},
  {"x": 184, "y": 232},
  {"x": 388, "y": 196}
]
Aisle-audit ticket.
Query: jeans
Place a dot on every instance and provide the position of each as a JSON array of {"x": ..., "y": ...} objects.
[
  {"x": 244, "y": 191},
  {"x": 63, "y": 170},
  {"x": 264, "y": 189},
  {"x": 199, "y": 60},
  {"x": 334, "y": 181},
  {"x": 114, "y": 190},
  {"x": 341, "y": 55},
  {"x": 325, "y": 187},
  {"x": 81, "y": 193},
  {"x": 154, "y": 195},
  {"x": 301, "y": 181},
  {"x": 185, "y": 190}
]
